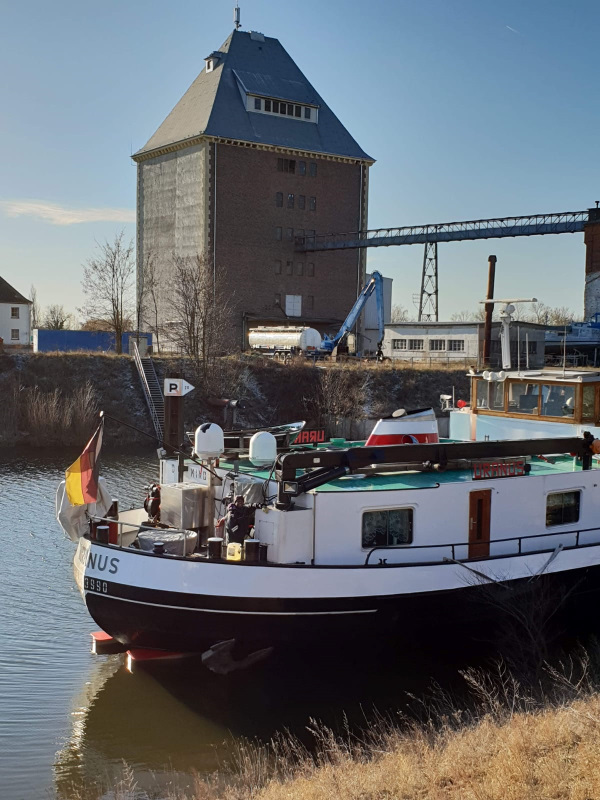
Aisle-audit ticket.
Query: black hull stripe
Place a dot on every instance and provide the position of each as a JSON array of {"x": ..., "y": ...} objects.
[{"x": 227, "y": 611}]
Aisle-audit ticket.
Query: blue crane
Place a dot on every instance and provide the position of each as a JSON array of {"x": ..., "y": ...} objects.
[{"x": 375, "y": 284}]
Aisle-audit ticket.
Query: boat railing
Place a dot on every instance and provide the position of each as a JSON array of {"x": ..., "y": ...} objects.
[
  {"x": 498, "y": 548},
  {"x": 141, "y": 528}
]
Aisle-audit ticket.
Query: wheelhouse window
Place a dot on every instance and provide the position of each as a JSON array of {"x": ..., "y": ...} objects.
[
  {"x": 562, "y": 508},
  {"x": 558, "y": 401},
  {"x": 490, "y": 395},
  {"x": 523, "y": 398},
  {"x": 588, "y": 397},
  {"x": 390, "y": 528}
]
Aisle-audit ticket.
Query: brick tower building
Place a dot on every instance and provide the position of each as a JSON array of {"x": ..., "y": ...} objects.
[{"x": 249, "y": 159}]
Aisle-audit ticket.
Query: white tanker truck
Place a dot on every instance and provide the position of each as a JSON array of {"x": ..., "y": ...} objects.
[{"x": 283, "y": 342}]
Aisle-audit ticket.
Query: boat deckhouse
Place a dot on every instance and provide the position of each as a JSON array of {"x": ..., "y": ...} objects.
[{"x": 531, "y": 404}]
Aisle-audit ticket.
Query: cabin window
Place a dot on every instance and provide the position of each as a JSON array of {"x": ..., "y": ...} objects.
[
  {"x": 562, "y": 508},
  {"x": 587, "y": 406},
  {"x": 523, "y": 398},
  {"x": 558, "y": 401},
  {"x": 490, "y": 395},
  {"x": 387, "y": 528}
]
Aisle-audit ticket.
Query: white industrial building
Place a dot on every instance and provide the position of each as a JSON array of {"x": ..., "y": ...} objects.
[
  {"x": 15, "y": 317},
  {"x": 462, "y": 342}
]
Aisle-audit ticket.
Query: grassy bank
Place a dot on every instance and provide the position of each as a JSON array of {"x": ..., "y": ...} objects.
[{"x": 50, "y": 399}]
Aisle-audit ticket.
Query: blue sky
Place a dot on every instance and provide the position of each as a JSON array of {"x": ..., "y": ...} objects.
[{"x": 472, "y": 108}]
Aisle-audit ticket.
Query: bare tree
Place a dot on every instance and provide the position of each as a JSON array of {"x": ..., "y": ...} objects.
[
  {"x": 400, "y": 314},
  {"x": 561, "y": 315},
  {"x": 200, "y": 311},
  {"x": 57, "y": 319},
  {"x": 108, "y": 283},
  {"x": 463, "y": 316},
  {"x": 148, "y": 297},
  {"x": 35, "y": 308}
]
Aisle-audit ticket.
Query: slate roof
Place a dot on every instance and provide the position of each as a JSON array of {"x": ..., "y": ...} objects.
[
  {"x": 8, "y": 294},
  {"x": 214, "y": 106}
]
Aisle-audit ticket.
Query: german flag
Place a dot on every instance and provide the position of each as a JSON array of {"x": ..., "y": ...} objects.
[{"x": 81, "y": 478}]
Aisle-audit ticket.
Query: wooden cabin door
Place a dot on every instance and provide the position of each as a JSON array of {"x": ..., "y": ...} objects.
[{"x": 479, "y": 523}]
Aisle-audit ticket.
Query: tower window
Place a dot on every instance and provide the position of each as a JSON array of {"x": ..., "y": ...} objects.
[
  {"x": 289, "y": 234},
  {"x": 313, "y": 169},
  {"x": 278, "y": 268},
  {"x": 267, "y": 105},
  {"x": 302, "y": 168},
  {"x": 290, "y": 201},
  {"x": 310, "y": 270},
  {"x": 307, "y": 112},
  {"x": 286, "y": 165},
  {"x": 278, "y": 234},
  {"x": 279, "y": 199},
  {"x": 297, "y": 111},
  {"x": 289, "y": 267},
  {"x": 300, "y": 268},
  {"x": 276, "y": 106},
  {"x": 257, "y": 103},
  {"x": 277, "y": 299},
  {"x": 301, "y": 200},
  {"x": 312, "y": 203}
]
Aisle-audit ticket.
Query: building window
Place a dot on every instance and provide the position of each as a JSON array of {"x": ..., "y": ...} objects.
[
  {"x": 14, "y": 312},
  {"x": 278, "y": 268},
  {"x": 286, "y": 165},
  {"x": 310, "y": 302},
  {"x": 293, "y": 305},
  {"x": 297, "y": 111},
  {"x": 289, "y": 234},
  {"x": 310, "y": 233},
  {"x": 276, "y": 106},
  {"x": 272, "y": 106},
  {"x": 562, "y": 508},
  {"x": 290, "y": 109},
  {"x": 301, "y": 201},
  {"x": 387, "y": 528},
  {"x": 267, "y": 105},
  {"x": 398, "y": 344},
  {"x": 312, "y": 203},
  {"x": 257, "y": 103},
  {"x": 289, "y": 267},
  {"x": 279, "y": 199},
  {"x": 437, "y": 344},
  {"x": 302, "y": 168},
  {"x": 307, "y": 111},
  {"x": 310, "y": 270},
  {"x": 278, "y": 234},
  {"x": 290, "y": 201},
  {"x": 277, "y": 299},
  {"x": 415, "y": 344},
  {"x": 300, "y": 268},
  {"x": 14, "y": 334},
  {"x": 456, "y": 345},
  {"x": 313, "y": 169}
]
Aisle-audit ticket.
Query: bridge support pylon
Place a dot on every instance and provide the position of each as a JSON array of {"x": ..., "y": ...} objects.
[{"x": 428, "y": 301}]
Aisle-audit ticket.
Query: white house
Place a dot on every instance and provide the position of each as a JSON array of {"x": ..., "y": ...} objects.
[
  {"x": 463, "y": 342},
  {"x": 15, "y": 316}
]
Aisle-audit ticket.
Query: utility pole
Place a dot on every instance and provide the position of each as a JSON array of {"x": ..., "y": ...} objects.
[{"x": 489, "y": 310}]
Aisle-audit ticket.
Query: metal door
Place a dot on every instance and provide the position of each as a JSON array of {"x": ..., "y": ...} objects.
[{"x": 479, "y": 523}]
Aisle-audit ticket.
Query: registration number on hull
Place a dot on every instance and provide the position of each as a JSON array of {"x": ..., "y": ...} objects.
[{"x": 95, "y": 585}]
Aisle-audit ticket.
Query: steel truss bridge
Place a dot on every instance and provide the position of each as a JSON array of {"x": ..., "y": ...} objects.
[{"x": 430, "y": 235}]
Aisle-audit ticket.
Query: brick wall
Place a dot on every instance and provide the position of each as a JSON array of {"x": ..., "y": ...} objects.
[{"x": 247, "y": 250}]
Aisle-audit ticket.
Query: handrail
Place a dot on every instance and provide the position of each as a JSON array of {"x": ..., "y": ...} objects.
[
  {"x": 518, "y": 539},
  {"x": 146, "y": 388}
]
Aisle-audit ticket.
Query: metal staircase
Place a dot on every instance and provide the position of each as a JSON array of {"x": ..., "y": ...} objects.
[{"x": 152, "y": 390}]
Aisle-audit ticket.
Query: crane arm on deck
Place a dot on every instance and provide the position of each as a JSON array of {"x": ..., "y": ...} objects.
[{"x": 375, "y": 284}]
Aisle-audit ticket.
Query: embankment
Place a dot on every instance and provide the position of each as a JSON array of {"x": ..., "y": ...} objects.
[{"x": 52, "y": 399}]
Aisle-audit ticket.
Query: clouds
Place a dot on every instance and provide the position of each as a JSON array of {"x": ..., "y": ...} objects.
[{"x": 59, "y": 215}]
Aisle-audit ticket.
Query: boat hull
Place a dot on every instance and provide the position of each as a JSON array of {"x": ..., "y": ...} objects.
[{"x": 181, "y": 614}]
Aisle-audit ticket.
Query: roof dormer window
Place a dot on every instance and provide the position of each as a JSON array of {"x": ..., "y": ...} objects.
[
  {"x": 212, "y": 60},
  {"x": 269, "y": 105}
]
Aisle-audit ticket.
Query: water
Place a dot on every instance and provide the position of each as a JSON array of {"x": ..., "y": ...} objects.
[{"x": 68, "y": 719}]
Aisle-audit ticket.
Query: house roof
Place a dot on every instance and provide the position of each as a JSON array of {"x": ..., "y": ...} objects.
[
  {"x": 214, "y": 105},
  {"x": 9, "y": 294}
]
